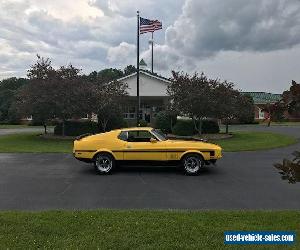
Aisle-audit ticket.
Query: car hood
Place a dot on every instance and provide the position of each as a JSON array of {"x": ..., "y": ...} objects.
[{"x": 192, "y": 144}]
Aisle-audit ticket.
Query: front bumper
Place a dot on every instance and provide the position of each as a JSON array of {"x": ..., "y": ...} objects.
[{"x": 217, "y": 154}]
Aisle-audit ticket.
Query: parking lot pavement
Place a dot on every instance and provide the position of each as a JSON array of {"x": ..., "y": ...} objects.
[{"x": 242, "y": 180}]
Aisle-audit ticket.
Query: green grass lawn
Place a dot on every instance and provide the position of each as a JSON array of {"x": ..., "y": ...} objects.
[
  {"x": 32, "y": 143},
  {"x": 114, "y": 229},
  {"x": 241, "y": 141},
  {"x": 250, "y": 141}
]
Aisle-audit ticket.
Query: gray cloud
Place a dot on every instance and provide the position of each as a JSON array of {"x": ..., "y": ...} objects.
[
  {"x": 207, "y": 27},
  {"x": 253, "y": 43},
  {"x": 123, "y": 54}
]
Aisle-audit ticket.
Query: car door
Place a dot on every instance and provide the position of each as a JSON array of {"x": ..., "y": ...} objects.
[{"x": 139, "y": 146}]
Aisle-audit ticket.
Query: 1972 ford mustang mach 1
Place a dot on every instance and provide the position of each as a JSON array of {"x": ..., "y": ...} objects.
[{"x": 143, "y": 144}]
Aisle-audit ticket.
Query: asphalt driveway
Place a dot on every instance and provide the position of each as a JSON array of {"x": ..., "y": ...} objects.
[{"x": 242, "y": 180}]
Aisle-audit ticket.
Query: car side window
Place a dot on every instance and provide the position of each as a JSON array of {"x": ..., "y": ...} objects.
[
  {"x": 123, "y": 136},
  {"x": 139, "y": 136}
]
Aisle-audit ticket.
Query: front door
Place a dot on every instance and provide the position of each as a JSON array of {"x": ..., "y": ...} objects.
[{"x": 139, "y": 146}]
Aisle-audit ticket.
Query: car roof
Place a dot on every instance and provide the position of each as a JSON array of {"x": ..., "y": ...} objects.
[{"x": 136, "y": 128}]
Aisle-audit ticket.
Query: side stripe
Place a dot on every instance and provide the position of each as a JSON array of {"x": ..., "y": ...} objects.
[
  {"x": 157, "y": 151},
  {"x": 84, "y": 151}
]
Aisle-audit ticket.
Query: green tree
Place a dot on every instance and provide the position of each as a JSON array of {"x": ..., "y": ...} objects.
[
  {"x": 54, "y": 93},
  {"x": 130, "y": 69},
  {"x": 291, "y": 99},
  {"x": 199, "y": 97},
  {"x": 165, "y": 120},
  {"x": 108, "y": 75},
  {"x": 8, "y": 90},
  {"x": 107, "y": 101},
  {"x": 192, "y": 96},
  {"x": 230, "y": 104},
  {"x": 246, "y": 112},
  {"x": 275, "y": 111}
]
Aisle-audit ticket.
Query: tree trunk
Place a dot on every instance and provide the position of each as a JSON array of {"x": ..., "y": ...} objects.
[
  {"x": 63, "y": 128},
  {"x": 45, "y": 128},
  {"x": 227, "y": 128},
  {"x": 104, "y": 125},
  {"x": 199, "y": 129}
]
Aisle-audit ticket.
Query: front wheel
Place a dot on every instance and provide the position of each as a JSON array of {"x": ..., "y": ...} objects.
[
  {"x": 104, "y": 163},
  {"x": 192, "y": 164}
]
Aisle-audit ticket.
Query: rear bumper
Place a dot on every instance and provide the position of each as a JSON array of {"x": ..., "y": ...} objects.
[{"x": 86, "y": 160}]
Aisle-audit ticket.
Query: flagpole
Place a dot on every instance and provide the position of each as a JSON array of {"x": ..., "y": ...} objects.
[
  {"x": 138, "y": 70},
  {"x": 152, "y": 54}
]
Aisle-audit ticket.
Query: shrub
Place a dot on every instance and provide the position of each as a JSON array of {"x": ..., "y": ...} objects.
[
  {"x": 74, "y": 128},
  {"x": 210, "y": 127},
  {"x": 116, "y": 122},
  {"x": 143, "y": 123},
  {"x": 187, "y": 127},
  {"x": 184, "y": 127},
  {"x": 165, "y": 121}
]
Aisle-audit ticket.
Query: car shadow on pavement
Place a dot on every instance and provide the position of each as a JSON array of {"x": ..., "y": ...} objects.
[{"x": 133, "y": 170}]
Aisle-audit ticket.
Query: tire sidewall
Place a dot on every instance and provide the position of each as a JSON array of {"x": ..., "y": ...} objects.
[
  {"x": 112, "y": 160},
  {"x": 199, "y": 157}
]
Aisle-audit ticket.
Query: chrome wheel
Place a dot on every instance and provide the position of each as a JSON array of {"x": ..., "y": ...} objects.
[
  {"x": 192, "y": 164},
  {"x": 104, "y": 163}
]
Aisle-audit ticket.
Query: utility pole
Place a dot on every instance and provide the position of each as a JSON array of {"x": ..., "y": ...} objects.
[
  {"x": 138, "y": 71},
  {"x": 152, "y": 42}
]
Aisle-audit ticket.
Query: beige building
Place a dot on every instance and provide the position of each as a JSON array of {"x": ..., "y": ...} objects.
[{"x": 153, "y": 96}]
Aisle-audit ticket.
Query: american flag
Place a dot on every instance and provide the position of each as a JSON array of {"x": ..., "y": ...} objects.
[{"x": 147, "y": 25}]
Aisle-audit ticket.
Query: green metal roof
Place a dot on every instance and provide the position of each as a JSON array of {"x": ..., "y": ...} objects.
[{"x": 263, "y": 97}]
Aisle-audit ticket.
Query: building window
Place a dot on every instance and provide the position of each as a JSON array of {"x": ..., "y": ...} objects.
[
  {"x": 261, "y": 114},
  {"x": 129, "y": 113}
]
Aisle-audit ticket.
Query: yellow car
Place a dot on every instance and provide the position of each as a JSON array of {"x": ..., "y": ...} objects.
[{"x": 143, "y": 144}]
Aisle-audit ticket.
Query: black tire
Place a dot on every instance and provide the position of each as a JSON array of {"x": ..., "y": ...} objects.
[
  {"x": 192, "y": 164},
  {"x": 104, "y": 163}
]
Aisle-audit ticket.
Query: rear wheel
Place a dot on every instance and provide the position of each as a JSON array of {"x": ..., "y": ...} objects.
[
  {"x": 192, "y": 164},
  {"x": 104, "y": 163}
]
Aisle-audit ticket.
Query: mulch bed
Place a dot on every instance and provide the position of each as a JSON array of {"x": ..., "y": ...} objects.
[
  {"x": 207, "y": 137},
  {"x": 53, "y": 136}
]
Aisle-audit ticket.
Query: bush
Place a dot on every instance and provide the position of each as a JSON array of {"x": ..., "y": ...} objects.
[
  {"x": 184, "y": 127},
  {"x": 143, "y": 123},
  {"x": 74, "y": 128},
  {"x": 210, "y": 127},
  {"x": 164, "y": 121},
  {"x": 187, "y": 127},
  {"x": 116, "y": 122}
]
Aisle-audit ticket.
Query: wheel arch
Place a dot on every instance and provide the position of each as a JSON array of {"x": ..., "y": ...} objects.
[
  {"x": 105, "y": 151},
  {"x": 191, "y": 152}
]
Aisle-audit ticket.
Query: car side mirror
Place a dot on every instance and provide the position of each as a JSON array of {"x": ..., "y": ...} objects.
[{"x": 153, "y": 140}]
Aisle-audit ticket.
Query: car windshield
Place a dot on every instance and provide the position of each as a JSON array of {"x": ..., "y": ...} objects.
[{"x": 159, "y": 134}]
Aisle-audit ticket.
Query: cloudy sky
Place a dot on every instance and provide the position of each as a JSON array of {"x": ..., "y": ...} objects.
[{"x": 255, "y": 44}]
